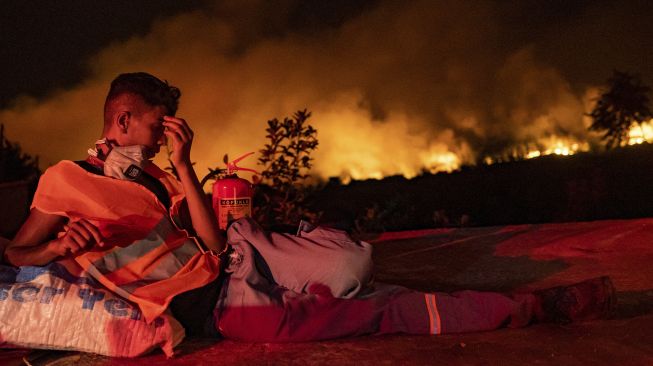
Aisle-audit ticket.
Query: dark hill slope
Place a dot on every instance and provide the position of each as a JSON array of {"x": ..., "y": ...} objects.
[{"x": 586, "y": 186}]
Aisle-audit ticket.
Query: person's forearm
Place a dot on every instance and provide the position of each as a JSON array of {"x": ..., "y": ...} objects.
[
  {"x": 201, "y": 214},
  {"x": 38, "y": 255}
]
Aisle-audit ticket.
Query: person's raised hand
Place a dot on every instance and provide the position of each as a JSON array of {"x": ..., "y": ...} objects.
[
  {"x": 78, "y": 235},
  {"x": 178, "y": 131}
]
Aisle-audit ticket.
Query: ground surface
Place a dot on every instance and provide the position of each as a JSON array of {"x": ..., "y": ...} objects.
[{"x": 517, "y": 258}]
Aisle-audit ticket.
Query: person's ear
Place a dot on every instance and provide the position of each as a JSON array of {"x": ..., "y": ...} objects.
[{"x": 122, "y": 120}]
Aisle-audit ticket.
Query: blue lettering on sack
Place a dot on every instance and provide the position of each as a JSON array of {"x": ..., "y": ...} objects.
[
  {"x": 89, "y": 297},
  {"x": 4, "y": 291},
  {"x": 30, "y": 273},
  {"x": 15, "y": 284},
  {"x": 49, "y": 293},
  {"x": 26, "y": 293},
  {"x": 117, "y": 307},
  {"x": 121, "y": 308}
]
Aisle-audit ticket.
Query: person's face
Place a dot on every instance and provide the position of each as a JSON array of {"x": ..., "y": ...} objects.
[{"x": 146, "y": 127}]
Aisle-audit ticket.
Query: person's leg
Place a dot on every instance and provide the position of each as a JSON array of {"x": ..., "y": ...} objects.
[
  {"x": 472, "y": 311},
  {"x": 253, "y": 308}
]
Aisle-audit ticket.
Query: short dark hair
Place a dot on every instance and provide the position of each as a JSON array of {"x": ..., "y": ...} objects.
[{"x": 153, "y": 90}]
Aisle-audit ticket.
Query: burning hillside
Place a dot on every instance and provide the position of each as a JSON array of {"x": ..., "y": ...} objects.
[
  {"x": 399, "y": 89},
  {"x": 565, "y": 146}
]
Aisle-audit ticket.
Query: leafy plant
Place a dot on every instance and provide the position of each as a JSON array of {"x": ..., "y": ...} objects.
[
  {"x": 14, "y": 164},
  {"x": 281, "y": 197},
  {"x": 624, "y": 104}
]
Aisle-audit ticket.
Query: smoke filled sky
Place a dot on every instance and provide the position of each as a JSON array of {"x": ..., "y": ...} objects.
[{"x": 394, "y": 86}]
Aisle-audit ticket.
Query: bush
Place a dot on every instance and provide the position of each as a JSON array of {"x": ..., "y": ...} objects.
[
  {"x": 281, "y": 197},
  {"x": 14, "y": 164}
]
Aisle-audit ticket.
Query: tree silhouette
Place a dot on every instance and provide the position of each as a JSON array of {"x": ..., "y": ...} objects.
[
  {"x": 624, "y": 104},
  {"x": 14, "y": 164}
]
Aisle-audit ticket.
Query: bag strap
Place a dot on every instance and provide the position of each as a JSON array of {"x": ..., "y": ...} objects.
[{"x": 147, "y": 181}]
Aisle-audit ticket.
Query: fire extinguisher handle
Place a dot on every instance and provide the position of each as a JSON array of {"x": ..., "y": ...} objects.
[
  {"x": 241, "y": 158},
  {"x": 232, "y": 167}
]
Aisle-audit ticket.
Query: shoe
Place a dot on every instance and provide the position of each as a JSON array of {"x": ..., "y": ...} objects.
[{"x": 588, "y": 300}]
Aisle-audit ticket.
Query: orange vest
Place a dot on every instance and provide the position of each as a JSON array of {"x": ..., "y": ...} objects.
[{"x": 146, "y": 258}]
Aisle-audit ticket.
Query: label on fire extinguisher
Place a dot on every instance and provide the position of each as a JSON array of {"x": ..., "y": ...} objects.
[{"x": 231, "y": 209}]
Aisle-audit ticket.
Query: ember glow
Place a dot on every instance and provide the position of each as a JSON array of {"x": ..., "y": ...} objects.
[
  {"x": 553, "y": 145},
  {"x": 550, "y": 145}
]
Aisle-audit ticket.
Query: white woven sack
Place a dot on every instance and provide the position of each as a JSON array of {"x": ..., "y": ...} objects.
[{"x": 50, "y": 308}]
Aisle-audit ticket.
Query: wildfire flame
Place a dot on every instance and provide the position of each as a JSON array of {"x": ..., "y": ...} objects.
[
  {"x": 432, "y": 161},
  {"x": 554, "y": 145},
  {"x": 446, "y": 161},
  {"x": 550, "y": 145},
  {"x": 640, "y": 133},
  {"x": 441, "y": 162},
  {"x": 565, "y": 146}
]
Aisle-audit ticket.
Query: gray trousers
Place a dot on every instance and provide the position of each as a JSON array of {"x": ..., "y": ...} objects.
[{"x": 316, "y": 286}]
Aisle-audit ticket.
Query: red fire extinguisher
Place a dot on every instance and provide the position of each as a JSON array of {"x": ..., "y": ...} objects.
[{"x": 232, "y": 196}]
